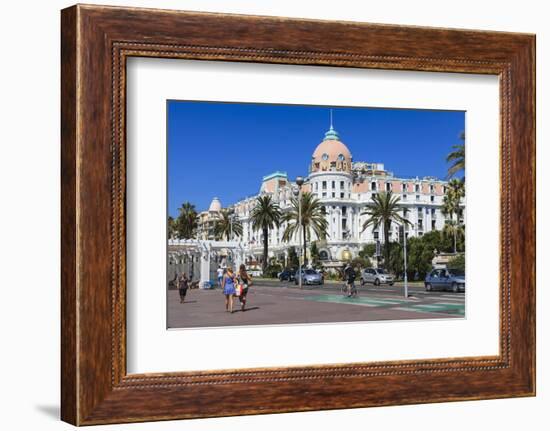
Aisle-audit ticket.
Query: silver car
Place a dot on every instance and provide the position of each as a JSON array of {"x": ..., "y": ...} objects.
[
  {"x": 309, "y": 276},
  {"x": 376, "y": 276}
]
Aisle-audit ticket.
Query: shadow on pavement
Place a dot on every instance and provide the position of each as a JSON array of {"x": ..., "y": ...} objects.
[{"x": 250, "y": 309}]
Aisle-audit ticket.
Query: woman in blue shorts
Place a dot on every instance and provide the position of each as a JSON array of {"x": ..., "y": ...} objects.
[{"x": 228, "y": 286}]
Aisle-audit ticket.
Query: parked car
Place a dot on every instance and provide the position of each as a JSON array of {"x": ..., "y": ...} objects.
[
  {"x": 310, "y": 276},
  {"x": 255, "y": 272},
  {"x": 286, "y": 275},
  {"x": 445, "y": 279},
  {"x": 376, "y": 276}
]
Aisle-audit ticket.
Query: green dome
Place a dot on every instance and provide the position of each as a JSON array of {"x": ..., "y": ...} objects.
[{"x": 331, "y": 135}]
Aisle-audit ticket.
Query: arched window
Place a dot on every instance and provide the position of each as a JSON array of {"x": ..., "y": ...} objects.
[{"x": 323, "y": 255}]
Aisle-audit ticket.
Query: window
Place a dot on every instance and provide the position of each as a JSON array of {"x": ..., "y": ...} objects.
[
  {"x": 373, "y": 185},
  {"x": 388, "y": 187},
  {"x": 324, "y": 194},
  {"x": 419, "y": 211},
  {"x": 404, "y": 187},
  {"x": 333, "y": 194},
  {"x": 325, "y": 156},
  {"x": 432, "y": 198},
  {"x": 344, "y": 211},
  {"x": 417, "y": 188},
  {"x": 344, "y": 224},
  {"x": 433, "y": 224},
  {"x": 417, "y": 197},
  {"x": 333, "y": 185},
  {"x": 404, "y": 197},
  {"x": 341, "y": 157},
  {"x": 431, "y": 188},
  {"x": 323, "y": 255},
  {"x": 433, "y": 212},
  {"x": 375, "y": 234},
  {"x": 324, "y": 185},
  {"x": 342, "y": 185},
  {"x": 342, "y": 195}
]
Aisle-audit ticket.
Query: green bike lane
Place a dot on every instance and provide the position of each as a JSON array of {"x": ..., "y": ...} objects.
[{"x": 449, "y": 308}]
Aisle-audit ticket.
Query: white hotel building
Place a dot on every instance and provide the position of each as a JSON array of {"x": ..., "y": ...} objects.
[{"x": 345, "y": 188}]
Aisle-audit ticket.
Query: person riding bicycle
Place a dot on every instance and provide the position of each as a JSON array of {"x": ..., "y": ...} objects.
[{"x": 349, "y": 276}]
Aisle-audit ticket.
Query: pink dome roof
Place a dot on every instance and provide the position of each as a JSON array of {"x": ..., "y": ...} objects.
[{"x": 331, "y": 149}]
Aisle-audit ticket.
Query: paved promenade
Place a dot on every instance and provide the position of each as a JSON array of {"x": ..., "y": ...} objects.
[{"x": 272, "y": 302}]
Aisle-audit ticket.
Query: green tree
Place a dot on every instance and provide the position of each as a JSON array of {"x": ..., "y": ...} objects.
[
  {"x": 360, "y": 263},
  {"x": 187, "y": 221},
  {"x": 455, "y": 230},
  {"x": 382, "y": 211},
  {"x": 436, "y": 241},
  {"x": 369, "y": 250},
  {"x": 314, "y": 254},
  {"x": 453, "y": 210},
  {"x": 457, "y": 262},
  {"x": 265, "y": 216},
  {"x": 227, "y": 226},
  {"x": 313, "y": 219},
  {"x": 293, "y": 261},
  {"x": 420, "y": 254},
  {"x": 396, "y": 263},
  {"x": 457, "y": 158},
  {"x": 172, "y": 231}
]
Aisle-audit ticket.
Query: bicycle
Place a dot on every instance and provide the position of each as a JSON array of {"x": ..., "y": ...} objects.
[{"x": 352, "y": 293}]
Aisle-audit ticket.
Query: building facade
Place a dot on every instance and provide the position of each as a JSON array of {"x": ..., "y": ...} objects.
[{"x": 345, "y": 188}]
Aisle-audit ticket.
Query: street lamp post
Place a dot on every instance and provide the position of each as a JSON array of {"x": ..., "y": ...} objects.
[
  {"x": 300, "y": 182},
  {"x": 230, "y": 215},
  {"x": 405, "y": 260}
]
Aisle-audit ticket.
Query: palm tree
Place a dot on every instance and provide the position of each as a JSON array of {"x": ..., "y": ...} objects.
[
  {"x": 451, "y": 207},
  {"x": 313, "y": 219},
  {"x": 382, "y": 211},
  {"x": 453, "y": 228},
  {"x": 457, "y": 157},
  {"x": 227, "y": 226},
  {"x": 172, "y": 228},
  {"x": 265, "y": 216},
  {"x": 187, "y": 221}
]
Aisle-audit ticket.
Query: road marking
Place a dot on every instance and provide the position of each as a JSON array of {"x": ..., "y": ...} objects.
[{"x": 403, "y": 305}]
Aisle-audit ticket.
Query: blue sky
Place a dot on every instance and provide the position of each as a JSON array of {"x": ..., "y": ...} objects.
[{"x": 224, "y": 149}]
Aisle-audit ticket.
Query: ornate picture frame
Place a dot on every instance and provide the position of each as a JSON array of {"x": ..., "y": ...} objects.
[{"x": 96, "y": 41}]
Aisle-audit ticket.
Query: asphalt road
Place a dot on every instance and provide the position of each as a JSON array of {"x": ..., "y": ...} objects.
[{"x": 271, "y": 302}]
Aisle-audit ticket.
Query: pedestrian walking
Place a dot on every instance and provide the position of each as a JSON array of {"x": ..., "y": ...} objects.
[
  {"x": 349, "y": 275},
  {"x": 183, "y": 285},
  {"x": 228, "y": 286},
  {"x": 219, "y": 272},
  {"x": 245, "y": 280}
]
